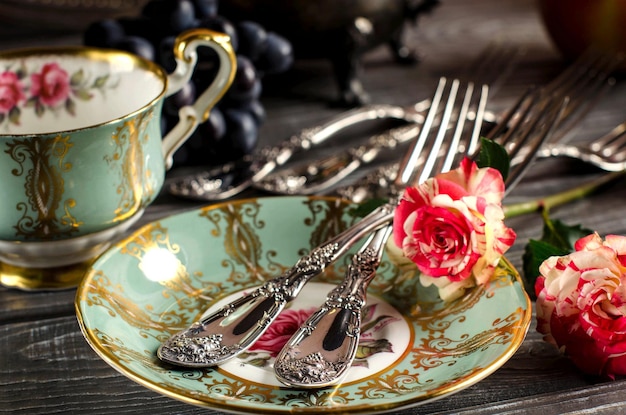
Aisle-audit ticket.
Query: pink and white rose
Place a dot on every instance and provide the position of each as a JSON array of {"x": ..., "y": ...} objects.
[
  {"x": 50, "y": 86},
  {"x": 11, "y": 91},
  {"x": 452, "y": 226},
  {"x": 581, "y": 304}
]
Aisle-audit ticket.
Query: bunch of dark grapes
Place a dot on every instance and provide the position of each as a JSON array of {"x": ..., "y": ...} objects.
[{"x": 232, "y": 129}]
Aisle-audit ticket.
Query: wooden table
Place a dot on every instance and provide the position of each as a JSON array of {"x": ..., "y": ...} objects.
[{"x": 47, "y": 367}]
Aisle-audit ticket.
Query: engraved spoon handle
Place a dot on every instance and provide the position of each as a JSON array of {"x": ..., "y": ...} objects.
[
  {"x": 236, "y": 326},
  {"x": 320, "y": 353},
  {"x": 320, "y": 175},
  {"x": 210, "y": 186}
]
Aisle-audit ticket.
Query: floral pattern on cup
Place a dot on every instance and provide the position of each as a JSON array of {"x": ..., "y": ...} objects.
[
  {"x": 48, "y": 88},
  {"x": 289, "y": 321}
]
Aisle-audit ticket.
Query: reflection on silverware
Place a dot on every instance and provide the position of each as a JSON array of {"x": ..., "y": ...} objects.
[
  {"x": 321, "y": 175},
  {"x": 231, "y": 179},
  {"x": 607, "y": 152}
]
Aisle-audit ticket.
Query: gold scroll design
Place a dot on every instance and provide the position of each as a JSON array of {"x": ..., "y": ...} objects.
[
  {"x": 217, "y": 387},
  {"x": 136, "y": 188},
  {"x": 191, "y": 292},
  {"x": 190, "y": 299},
  {"x": 111, "y": 298},
  {"x": 124, "y": 356},
  {"x": 43, "y": 187},
  {"x": 435, "y": 351},
  {"x": 238, "y": 225}
]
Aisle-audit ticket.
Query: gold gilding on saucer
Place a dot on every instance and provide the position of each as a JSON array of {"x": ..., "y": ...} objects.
[
  {"x": 125, "y": 314},
  {"x": 39, "y": 279}
]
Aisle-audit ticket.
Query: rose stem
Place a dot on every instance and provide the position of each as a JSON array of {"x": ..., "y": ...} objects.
[{"x": 548, "y": 202}]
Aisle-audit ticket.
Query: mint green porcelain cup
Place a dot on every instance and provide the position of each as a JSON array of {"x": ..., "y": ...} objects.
[{"x": 82, "y": 153}]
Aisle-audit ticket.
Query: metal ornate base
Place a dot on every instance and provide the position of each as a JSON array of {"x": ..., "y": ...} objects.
[{"x": 42, "y": 279}]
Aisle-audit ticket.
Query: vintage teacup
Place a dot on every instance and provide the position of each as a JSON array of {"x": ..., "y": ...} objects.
[{"x": 81, "y": 150}]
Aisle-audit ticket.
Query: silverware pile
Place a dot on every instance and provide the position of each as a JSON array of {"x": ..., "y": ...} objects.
[{"x": 321, "y": 352}]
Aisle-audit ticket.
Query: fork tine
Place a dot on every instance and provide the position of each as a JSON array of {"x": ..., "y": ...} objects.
[
  {"x": 510, "y": 114},
  {"x": 452, "y": 138},
  {"x": 533, "y": 139},
  {"x": 611, "y": 141},
  {"x": 412, "y": 155},
  {"x": 584, "y": 82},
  {"x": 433, "y": 153}
]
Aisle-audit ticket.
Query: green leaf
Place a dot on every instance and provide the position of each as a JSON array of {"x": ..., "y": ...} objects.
[
  {"x": 14, "y": 115},
  {"x": 70, "y": 106},
  {"x": 535, "y": 253},
  {"x": 557, "y": 239},
  {"x": 31, "y": 102},
  {"x": 83, "y": 94},
  {"x": 367, "y": 207},
  {"x": 39, "y": 109},
  {"x": 77, "y": 78},
  {"x": 493, "y": 155},
  {"x": 100, "y": 81},
  {"x": 561, "y": 235}
]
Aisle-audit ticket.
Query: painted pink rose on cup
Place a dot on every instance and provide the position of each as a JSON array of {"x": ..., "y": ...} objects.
[
  {"x": 281, "y": 330},
  {"x": 11, "y": 91},
  {"x": 452, "y": 225},
  {"x": 581, "y": 304},
  {"x": 51, "y": 85}
]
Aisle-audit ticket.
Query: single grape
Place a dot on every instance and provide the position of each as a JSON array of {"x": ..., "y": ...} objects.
[
  {"x": 245, "y": 76},
  {"x": 136, "y": 45},
  {"x": 277, "y": 57},
  {"x": 142, "y": 27},
  {"x": 214, "y": 128},
  {"x": 238, "y": 98},
  {"x": 203, "y": 147},
  {"x": 256, "y": 108},
  {"x": 205, "y": 8},
  {"x": 222, "y": 25},
  {"x": 171, "y": 16},
  {"x": 186, "y": 96},
  {"x": 252, "y": 39},
  {"x": 165, "y": 54},
  {"x": 103, "y": 33},
  {"x": 242, "y": 131}
]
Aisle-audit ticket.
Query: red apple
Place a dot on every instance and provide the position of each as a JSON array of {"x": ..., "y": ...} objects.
[{"x": 576, "y": 25}]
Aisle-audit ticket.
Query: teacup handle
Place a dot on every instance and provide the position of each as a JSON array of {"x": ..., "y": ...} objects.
[{"x": 186, "y": 57}]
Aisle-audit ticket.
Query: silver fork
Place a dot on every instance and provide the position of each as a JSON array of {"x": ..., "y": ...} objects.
[
  {"x": 233, "y": 328},
  {"x": 320, "y": 353},
  {"x": 607, "y": 152},
  {"x": 583, "y": 83}
]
